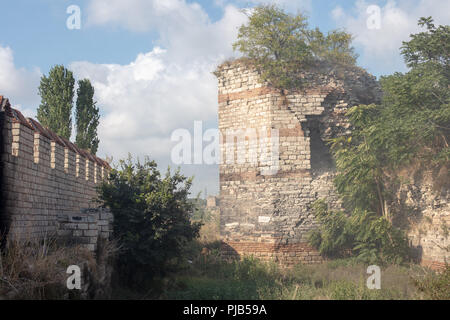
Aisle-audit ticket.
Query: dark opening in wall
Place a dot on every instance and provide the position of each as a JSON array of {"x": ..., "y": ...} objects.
[{"x": 321, "y": 158}]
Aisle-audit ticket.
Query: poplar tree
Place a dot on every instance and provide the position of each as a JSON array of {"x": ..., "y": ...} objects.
[
  {"x": 87, "y": 117},
  {"x": 55, "y": 110}
]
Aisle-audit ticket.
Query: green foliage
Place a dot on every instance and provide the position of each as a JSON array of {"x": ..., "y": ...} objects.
[
  {"x": 360, "y": 178},
  {"x": 246, "y": 279},
  {"x": 281, "y": 46},
  {"x": 334, "y": 235},
  {"x": 151, "y": 217},
  {"x": 411, "y": 124},
  {"x": 334, "y": 47},
  {"x": 87, "y": 117},
  {"x": 56, "y": 91},
  {"x": 432, "y": 46},
  {"x": 369, "y": 237},
  {"x": 249, "y": 278}
]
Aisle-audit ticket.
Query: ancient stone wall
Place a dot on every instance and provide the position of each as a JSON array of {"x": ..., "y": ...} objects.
[
  {"x": 43, "y": 178},
  {"x": 265, "y": 199},
  {"x": 265, "y": 196},
  {"x": 423, "y": 198}
]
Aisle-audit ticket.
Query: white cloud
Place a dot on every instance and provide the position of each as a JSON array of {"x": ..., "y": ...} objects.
[
  {"x": 18, "y": 84},
  {"x": 144, "y": 15},
  {"x": 288, "y": 5},
  {"x": 381, "y": 47},
  {"x": 168, "y": 88},
  {"x": 150, "y": 96}
]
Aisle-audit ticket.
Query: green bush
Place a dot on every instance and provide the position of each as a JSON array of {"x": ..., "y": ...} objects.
[
  {"x": 151, "y": 218},
  {"x": 366, "y": 237}
]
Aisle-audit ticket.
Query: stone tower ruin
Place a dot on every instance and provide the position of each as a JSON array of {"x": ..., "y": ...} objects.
[{"x": 265, "y": 206}]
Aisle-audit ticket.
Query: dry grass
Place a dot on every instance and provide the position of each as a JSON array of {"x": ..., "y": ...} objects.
[{"x": 37, "y": 269}]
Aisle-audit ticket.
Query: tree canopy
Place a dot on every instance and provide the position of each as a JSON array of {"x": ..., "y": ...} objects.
[{"x": 281, "y": 45}]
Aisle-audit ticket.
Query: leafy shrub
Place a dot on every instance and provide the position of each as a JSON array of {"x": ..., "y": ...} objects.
[
  {"x": 367, "y": 237},
  {"x": 151, "y": 218}
]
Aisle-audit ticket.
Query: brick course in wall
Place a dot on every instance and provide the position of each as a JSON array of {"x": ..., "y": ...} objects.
[
  {"x": 43, "y": 177},
  {"x": 268, "y": 215},
  {"x": 286, "y": 254}
]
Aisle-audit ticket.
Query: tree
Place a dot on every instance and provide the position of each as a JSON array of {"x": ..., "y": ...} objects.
[
  {"x": 87, "y": 117},
  {"x": 411, "y": 125},
  {"x": 281, "y": 46},
  {"x": 432, "y": 46},
  {"x": 56, "y": 91},
  {"x": 151, "y": 217}
]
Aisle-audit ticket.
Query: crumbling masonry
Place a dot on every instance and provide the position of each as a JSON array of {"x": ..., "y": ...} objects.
[{"x": 266, "y": 212}]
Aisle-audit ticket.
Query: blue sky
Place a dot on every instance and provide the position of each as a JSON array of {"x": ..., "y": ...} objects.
[
  {"x": 151, "y": 60},
  {"x": 36, "y": 30}
]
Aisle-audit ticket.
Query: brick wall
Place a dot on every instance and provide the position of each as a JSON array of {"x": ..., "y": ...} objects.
[
  {"x": 86, "y": 227},
  {"x": 265, "y": 209},
  {"x": 43, "y": 177}
]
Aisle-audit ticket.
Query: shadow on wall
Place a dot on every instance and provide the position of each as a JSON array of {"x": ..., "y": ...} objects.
[
  {"x": 321, "y": 159},
  {"x": 228, "y": 252},
  {"x": 4, "y": 225}
]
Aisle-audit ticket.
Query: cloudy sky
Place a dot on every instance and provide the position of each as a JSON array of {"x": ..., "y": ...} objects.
[{"x": 151, "y": 61}]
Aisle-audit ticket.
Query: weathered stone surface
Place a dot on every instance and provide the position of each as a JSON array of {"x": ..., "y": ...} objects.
[
  {"x": 46, "y": 182},
  {"x": 264, "y": 214},
  {"x": 425, "y": 204},
  {"x": 260, "y": 212}
]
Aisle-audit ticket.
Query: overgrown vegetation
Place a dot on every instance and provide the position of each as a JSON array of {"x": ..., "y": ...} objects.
[
  {"x": 411, "y": 124},
  {"x": 37, "y": 269},
  {"x": 207, "y": 276},
  {"x": 151, "y": 219},
  {"x": 281, "y": 46},
  {"x": 435, "y": 286}
]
